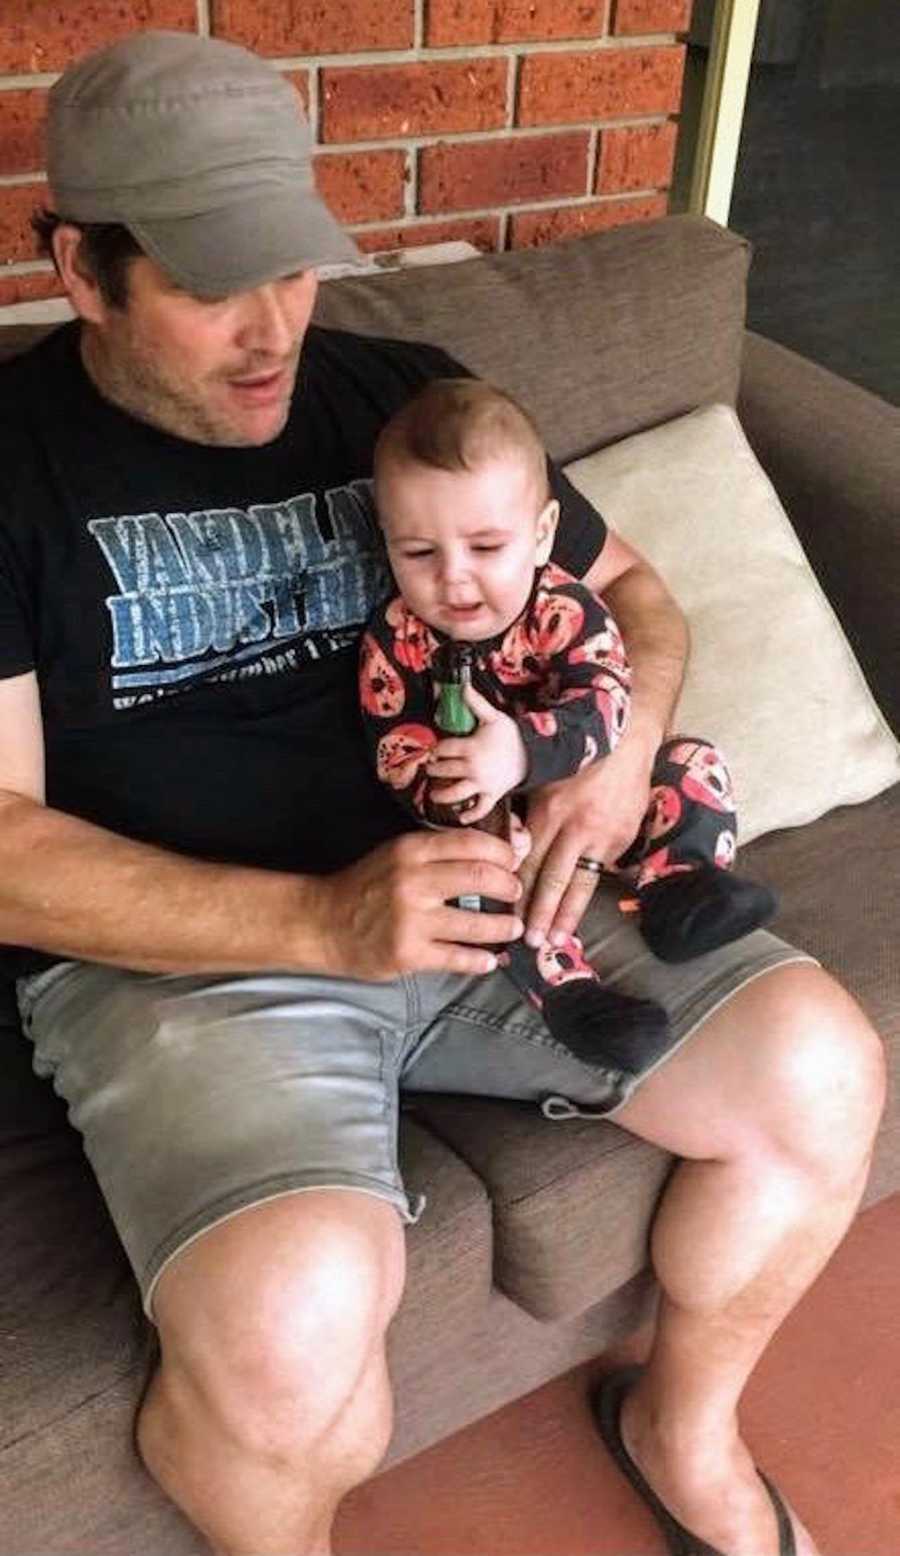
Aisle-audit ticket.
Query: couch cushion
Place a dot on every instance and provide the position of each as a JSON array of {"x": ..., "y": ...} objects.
[
  {"x": 508, "y": 1354},
  {"x": 449, "y": 1250},
  {"x": 572, "y": 1200},
  {"x": 832, "y": 450},
  {"x": 79, "y": 1489},
  {"x": 15, "y": 338},
  {"x": 839, "y": 886},
  {"x": 646, "y": 321},
  {"x": 771, "y": 677},
  {"x": 28, "y": 1106},
  {"x": 68, "y": 1306}
]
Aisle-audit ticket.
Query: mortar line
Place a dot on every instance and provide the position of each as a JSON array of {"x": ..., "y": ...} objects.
[
  {"x": 22, "y": 80},
  {"x": 16, "y": 180},
  {"x": 512, "y": 89},
  {"x": 460, "y": 53},
  {"x": 593, "y": 157},
  {"x": 26, "y": 267},
  {"x": 415, "y": 142},
  {"x": 501, "y": 132},
  {"x": 423, "y": 220},
  {"x": 314, "y": 107},
  {"x": 626, "y": 197},
  {"x": 411, "y": 184}
]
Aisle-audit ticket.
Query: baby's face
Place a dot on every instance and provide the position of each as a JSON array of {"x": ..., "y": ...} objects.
[{"x": 464, "y": 544}]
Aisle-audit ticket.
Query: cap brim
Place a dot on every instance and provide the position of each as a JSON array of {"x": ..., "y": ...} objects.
[{"x": 265, "y": 233}]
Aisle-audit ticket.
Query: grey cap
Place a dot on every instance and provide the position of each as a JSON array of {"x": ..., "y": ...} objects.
[{"x": 201, "y": 150}]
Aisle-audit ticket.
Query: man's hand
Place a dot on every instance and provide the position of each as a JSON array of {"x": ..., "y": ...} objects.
[
  {"x": 596, "y": 813},
  {"x": 388, "y": 914},
  {"x": 480, "y": 767}
]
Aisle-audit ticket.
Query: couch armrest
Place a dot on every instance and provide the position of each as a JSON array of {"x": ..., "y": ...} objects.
[{"x": 832, "y": 451}]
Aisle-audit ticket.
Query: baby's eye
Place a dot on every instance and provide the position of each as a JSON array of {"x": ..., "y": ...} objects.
[
  {"x": 487, "y": 548},
  {"x": 415, "y": 556}
]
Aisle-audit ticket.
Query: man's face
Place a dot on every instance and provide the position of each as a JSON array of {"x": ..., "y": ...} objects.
[
  {"x": 218, "y": 371},
  {"x": 464, "y": 544}
]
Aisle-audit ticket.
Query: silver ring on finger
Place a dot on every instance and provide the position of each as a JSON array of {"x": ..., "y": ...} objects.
[{"x": 592, "y": 866}]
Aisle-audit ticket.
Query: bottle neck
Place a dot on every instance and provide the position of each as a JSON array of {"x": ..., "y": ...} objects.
[{"x": 453, "y": 715}]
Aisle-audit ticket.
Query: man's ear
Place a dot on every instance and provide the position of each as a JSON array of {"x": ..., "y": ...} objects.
[
  {"x": 547, "y": 521},
  {"x": 81, "y": 285}
]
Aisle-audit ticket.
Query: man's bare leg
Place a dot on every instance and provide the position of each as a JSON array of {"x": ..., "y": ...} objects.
[
  {"x": 272, "y": 1397},
  {"x": 774, "y": 1104}
]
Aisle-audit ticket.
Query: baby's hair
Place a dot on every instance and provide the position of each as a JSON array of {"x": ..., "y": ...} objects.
[{"x": 459, "y": 424}]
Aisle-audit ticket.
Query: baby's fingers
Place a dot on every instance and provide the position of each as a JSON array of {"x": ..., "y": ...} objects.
[
  {"x": 484, "y": 711},
  {"x": 482, "y": 807},
  {"x": 448, "y": 749},
  {"x": 447, "y": 767},
  {"x": 454, "y": 793}
]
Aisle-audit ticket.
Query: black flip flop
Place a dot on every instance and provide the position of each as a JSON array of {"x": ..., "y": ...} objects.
[{"x": 606, "y": 1404}]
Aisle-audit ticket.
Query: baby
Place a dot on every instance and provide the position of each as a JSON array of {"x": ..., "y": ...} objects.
[{"x": 461, "y": 488}]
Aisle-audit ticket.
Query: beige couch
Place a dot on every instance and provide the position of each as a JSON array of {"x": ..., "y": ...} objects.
[{"x": 533, "y": 1252}]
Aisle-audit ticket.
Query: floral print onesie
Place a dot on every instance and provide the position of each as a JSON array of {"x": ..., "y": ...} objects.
[{"x": 560, "y": 671}]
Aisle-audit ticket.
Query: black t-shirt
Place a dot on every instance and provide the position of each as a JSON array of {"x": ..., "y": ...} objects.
[{"x": 193, "y": 613}]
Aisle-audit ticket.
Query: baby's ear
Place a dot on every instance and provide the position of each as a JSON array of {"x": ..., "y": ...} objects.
[{"x": 547, "y": 521}]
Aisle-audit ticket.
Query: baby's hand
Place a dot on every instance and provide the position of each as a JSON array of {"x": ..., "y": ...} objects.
[{"x": 480, "y": 767}]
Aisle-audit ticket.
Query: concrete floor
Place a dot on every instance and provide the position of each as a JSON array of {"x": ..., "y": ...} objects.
[{"x": 822, "y": 1413}]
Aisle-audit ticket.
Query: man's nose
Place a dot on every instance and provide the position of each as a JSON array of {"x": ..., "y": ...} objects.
[{"x": 269, "y": 323}]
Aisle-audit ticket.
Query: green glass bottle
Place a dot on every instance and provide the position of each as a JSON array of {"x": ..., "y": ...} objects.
[
  {"x": 453, "y": 716},
  {"x": 453, "y": 674}
]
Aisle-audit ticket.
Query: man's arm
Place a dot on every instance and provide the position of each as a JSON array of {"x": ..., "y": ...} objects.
[
  {"x": 76, "y": 890},
  {"x": 655, "y": 633},
  {"x": 597, "y": 812}
]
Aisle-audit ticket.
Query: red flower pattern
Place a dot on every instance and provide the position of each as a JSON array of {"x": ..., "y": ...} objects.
[
  {"x": 554, "y": 623},
  {"x": 561, "y": 963},
  {"x": 706, "y": 778},
  {"x": 402, "y": 752},
  {"x": 381, "y": 690},
  {"x": 544, "y": 723},
  {"x": 513, "y": 662},
  {"x": 414, "y": 642}
]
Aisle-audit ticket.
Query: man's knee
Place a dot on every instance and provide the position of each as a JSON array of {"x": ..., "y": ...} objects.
[
  {"x": 273, "y": 1321},
  {"x": 825, "y": 1075}
]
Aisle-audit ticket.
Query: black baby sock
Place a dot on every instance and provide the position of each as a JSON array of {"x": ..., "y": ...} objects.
[
  {"x": 599, "y": 1026},
  {"x": 693, "y": 911},
  {"x": 596, "y": 1024}
]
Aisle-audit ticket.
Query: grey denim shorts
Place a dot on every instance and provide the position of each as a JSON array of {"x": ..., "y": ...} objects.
[{"x": 199, "y": 1096}]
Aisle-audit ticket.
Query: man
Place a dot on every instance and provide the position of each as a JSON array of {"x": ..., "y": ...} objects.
[{"x": 234, "y": 957}]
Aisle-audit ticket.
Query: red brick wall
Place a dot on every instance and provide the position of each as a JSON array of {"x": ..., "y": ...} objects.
[{"x": 506, "y": 122}]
